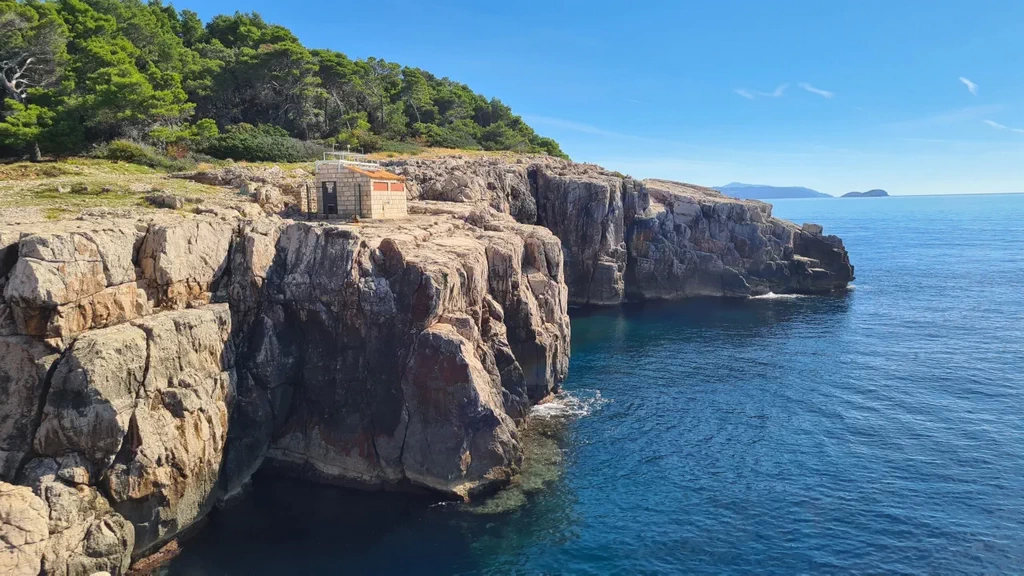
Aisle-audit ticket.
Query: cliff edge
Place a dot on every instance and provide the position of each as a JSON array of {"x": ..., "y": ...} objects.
[
  {"x": 152, "y": 360},
  {"x": 627, "y": 239}
]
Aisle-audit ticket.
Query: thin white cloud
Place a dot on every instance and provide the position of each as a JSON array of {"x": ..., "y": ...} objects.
[
  {"x": 823, "y": 93},
  {"x": 1003, "y": 127},
  {"x": 970, "y": 85},
  {"x": 779, "y": 91},
  {"x": 752, "y": 94}
]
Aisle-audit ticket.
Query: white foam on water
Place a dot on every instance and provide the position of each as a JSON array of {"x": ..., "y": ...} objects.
[
  {"x": 574, "y": 404},
  {"x": 774, "y": 296}
]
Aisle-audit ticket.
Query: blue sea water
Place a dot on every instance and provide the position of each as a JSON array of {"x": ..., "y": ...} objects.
[{"x": 878, "y": 431}]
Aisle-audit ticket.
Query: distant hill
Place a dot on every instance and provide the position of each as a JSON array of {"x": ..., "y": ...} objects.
[
  {"x": 763, "y": 192},
  {"x": 876, "y": 193}
]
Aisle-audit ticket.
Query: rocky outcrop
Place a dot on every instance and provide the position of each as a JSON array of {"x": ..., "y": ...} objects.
[
  {"x": 273, "y": 189},
  {"x": 53, "y": 527},
  {"x": 686, "y": 241},
  {"x": 66, "y": 282},
  {"x": 150, "y": 367},
  {"x": 499, "y": 182},
  {"x": 395, "y": 355},
  {"x": 140, "y": 411},
  {"x": 375, "y": 350},
  {"x": 626, "y": 239}
]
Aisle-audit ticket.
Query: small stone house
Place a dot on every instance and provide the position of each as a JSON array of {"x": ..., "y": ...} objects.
[{"x": 345, "y": 190}]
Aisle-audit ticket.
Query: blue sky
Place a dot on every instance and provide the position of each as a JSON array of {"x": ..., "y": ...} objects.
[{"x": 914, "y": 96}]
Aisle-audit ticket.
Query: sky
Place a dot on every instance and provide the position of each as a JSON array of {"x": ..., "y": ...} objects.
[{"x": 913, "y": 96}]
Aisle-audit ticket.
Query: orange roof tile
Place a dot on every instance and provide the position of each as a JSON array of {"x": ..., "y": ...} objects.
[{"x": 376, "y": 174}]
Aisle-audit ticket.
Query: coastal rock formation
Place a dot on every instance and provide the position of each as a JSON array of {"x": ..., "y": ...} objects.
[
  {"x": 626, "y": 239},
  {"x": 376, "y": 351},
  {"x": 150, "y": 366},
  {"x": 140, "y": 411},
  {"x": 391, "y": 355},
  {"x": 55, "y": 527}
]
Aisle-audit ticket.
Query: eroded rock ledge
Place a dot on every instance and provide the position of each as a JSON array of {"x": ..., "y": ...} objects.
[{"x": 150, "y": 367}]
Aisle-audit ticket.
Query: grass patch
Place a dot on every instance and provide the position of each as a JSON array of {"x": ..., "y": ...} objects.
[
  {"x": 392, "y": 148},
  {"x": 309, "y": 167},
  {"x": 57, "y": 213},
  {"x": 64, "y": 189}
]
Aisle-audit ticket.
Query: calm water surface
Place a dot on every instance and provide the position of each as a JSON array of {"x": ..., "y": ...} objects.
[{"x": 881, "y": 431}]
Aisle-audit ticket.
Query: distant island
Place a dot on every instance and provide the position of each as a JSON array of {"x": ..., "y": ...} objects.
[
  {"x": 876, "y": 193},
  {"x": 764, "y": 192}
]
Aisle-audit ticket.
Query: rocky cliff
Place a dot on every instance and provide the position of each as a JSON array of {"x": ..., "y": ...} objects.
[
  {"x": 151, "y": 365},
  {"x": 627, "y": 239}
]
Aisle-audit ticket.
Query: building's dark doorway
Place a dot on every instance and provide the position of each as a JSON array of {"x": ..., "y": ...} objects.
[{"x": 330, "y": 190}]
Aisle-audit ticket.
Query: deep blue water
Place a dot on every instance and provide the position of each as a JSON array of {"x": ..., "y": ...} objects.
[{"x": 880, "y": 431}]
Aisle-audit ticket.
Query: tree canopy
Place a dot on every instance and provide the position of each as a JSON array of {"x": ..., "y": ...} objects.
[{"x": 75, "y": 73}]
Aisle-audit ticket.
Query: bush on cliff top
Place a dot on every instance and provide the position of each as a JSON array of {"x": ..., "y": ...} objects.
[
  {"x": 263, "y": 143},
  {"x": 142, "y": 154}
]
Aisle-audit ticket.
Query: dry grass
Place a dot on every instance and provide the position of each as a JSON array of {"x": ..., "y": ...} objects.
[{"x": 63, "y": 189}]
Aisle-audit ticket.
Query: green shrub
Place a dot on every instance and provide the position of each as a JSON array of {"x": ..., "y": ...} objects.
[
  {"x": 459, "y": 134},
  {"x": 263, "y": 143},
  {"x": 135, "y": 153},
  {"x": 539, "y": 144}
]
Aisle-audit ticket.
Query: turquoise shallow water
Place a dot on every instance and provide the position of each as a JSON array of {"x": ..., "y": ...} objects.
[{"x": 880, "y": 431}]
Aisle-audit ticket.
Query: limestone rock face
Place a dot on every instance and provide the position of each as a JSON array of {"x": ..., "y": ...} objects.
[
  {"x": 165, "y": 475},
  {"x": 182, "y": 258},
  {"x": 66, "y": 282},
  {"x": 457, "y": 435},
  {"x": 584, "y": 209},
  {"x": 23, "y": 531},
  {"x": 375, "y": 346},
  {"x": 142, "y": 409},
  {"x": 59, "y": 528},
  {"x": 150, "y": 367},
  {"x": 503, "y": 184},
  {"x": 625, "y": 239}
]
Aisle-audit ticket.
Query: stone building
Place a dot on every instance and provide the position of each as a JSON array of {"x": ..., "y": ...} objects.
[{"x": 348, "y": 189}]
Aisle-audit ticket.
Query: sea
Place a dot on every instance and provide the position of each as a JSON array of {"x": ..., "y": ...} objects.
[{"x": 877, "y": 431}]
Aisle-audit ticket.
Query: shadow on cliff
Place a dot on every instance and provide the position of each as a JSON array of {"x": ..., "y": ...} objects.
[{"x": 290, "y": 525}]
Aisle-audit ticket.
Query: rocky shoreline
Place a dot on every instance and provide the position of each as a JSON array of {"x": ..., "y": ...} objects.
[{"x": 151, "y": 365}]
